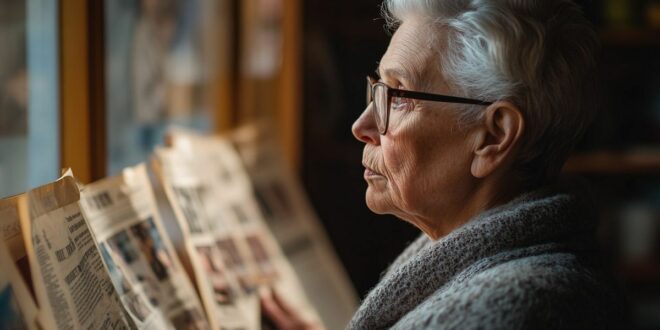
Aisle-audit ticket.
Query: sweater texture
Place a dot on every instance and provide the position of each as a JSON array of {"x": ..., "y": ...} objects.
[{"x": 528, "y": 264}]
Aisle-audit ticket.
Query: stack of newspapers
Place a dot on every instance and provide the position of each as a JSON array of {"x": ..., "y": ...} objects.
[{"x": 187, "y": 240}]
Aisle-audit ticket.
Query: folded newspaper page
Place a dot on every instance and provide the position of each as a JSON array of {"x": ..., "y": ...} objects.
[
  {"x": 143, "y": 265},
  {"x": 228, "y": 298},
  {"x": 10, "y": 227},
  {"x": 12, "y": 235},
  {"x": 18, "y": 309},
  {"x": 71, "y": 283},
  {"x": 296, "y": 226},
  {"x": 219, "y": 163}
]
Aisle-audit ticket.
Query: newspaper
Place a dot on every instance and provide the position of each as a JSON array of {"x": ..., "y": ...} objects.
[
  {"x": 143, "y": 265},
  {"x": 297, "y": 228},
  {"x": 10, "y": 227},
  {"x": 221, "y": 197},
  {"x": 229, "y": 300},
  {"x": 18, "y": 309},
  {"x": 71, "y": 283},
  {"x": 219, "y": 163},
  {"x": 12, "y": 235}
]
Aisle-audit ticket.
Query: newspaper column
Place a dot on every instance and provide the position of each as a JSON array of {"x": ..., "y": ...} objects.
[{"x": 72, "y": 285}]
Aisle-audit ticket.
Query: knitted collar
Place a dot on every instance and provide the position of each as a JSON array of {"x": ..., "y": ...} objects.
[{"x": 539, "y": 217}]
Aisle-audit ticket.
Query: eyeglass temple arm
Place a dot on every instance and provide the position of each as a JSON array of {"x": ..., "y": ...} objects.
[{"x": 393, "y": 92}]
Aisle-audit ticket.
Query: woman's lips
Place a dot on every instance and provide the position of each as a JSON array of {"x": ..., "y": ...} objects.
[{"x": 368, "y": 172}]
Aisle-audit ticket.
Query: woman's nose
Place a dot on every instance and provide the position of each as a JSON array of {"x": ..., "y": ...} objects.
[{"x": 364, "y": 128}]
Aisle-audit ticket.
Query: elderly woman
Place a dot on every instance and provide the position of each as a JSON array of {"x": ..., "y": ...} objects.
[{"x": 476, "y": 107}]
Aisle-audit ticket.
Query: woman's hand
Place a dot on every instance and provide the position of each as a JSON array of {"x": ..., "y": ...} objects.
[{"x": 282, "y": 315}]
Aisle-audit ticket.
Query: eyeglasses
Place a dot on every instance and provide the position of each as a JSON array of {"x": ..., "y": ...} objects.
[{"x": 381, "y": 95}]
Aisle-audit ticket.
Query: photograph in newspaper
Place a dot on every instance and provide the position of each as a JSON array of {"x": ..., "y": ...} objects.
[
  {"x": 134, "y": 303},
  {"x": 230, "y": 307},
  {"x": 123, "y": 252},
  {"x": 145, "y": 269},
  {"x": 188, "y": 198},
  {"x": 231, "y": 256},
  {"x": 238, "y": 262},
  {"x": 72, "y": 284},
  {"x": 152, "y": 248},
  {"x": 261, "y": 255},
  {"x": 216, "y": 275}
]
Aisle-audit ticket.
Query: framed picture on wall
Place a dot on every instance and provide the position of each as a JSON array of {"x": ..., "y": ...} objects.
[{"x": 161, "y": 58}]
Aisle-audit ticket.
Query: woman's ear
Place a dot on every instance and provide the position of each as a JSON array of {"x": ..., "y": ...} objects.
[{"x": 501, "y": 129}]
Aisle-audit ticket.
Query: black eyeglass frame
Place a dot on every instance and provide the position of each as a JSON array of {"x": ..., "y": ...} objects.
[{"x": 395, "y": 92}]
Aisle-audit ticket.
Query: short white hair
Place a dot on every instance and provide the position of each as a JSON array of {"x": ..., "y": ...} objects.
[{"x": 538, "y": 54}]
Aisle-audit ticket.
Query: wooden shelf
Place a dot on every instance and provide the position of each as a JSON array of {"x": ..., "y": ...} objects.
[
  {"x": 630, "y": 37},
  {"x": 614, "y": 162}
]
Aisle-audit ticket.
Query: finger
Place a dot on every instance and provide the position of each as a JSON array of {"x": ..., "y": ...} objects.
[
  {"x": 274, "y": 312},
  {"x": 284, "y": 305}
]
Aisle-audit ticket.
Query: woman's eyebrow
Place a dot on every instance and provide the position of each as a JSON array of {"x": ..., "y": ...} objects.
[{"x": 398, "y": 73}]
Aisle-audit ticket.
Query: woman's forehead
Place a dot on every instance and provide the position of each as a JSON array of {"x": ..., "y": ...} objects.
[{"x": 409, "y": 55}]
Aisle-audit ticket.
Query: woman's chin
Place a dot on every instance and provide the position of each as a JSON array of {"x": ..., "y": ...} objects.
[{"x": 377, "y": 200}]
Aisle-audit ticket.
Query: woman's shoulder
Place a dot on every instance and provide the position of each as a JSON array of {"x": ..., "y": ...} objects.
[
  {"x": 555, "y": 274},
  {"x": 554, "y": 290}
]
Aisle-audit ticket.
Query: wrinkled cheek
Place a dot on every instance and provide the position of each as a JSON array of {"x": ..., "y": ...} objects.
[
  {"x": 408, "y": 193},
  {"x": 393, "y": 159},
  {"x": 401, "y": 176}
]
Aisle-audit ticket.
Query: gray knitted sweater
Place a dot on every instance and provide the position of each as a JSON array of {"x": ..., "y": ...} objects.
[{"x": 527, "y": 264}]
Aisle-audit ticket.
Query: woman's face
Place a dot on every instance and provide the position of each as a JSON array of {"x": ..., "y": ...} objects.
[{"x": 420, "y": 170}]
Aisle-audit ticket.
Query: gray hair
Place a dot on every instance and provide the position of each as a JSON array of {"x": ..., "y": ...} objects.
[{"x": 539, "y": 55}]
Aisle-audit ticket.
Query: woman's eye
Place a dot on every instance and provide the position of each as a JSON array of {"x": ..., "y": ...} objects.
[{"x": 400, "y": 103}]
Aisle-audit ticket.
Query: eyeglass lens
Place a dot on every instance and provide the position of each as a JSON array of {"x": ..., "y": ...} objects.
[
  {"x": 380, "y": 102},
  {"x": 377, "y": 93}
]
